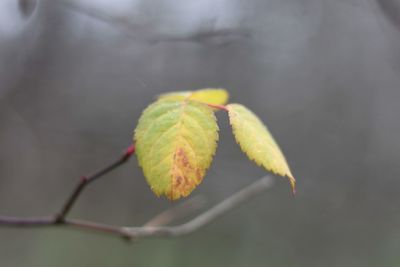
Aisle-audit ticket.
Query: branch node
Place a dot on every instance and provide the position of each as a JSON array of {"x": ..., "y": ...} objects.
[
  {"x": 59, "y": 219},
  {"x": 128, "y": 152},
  {"x": 155, "y": 227},
  {"x": 84, "y": 179}
]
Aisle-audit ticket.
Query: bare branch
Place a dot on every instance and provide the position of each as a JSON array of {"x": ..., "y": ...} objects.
[
  {"x": 97, "y": 227},
  {"x": 147, "y": 231},
  {"x": 177, "y": 212},
  {"x": 9, "y": 221},
  {"x": 206, "y": 217},
  {"x": 85, "y": 180}
]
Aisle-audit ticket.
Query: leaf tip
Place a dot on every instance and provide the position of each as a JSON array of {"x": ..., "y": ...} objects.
[{"x": 292, "y": 182}]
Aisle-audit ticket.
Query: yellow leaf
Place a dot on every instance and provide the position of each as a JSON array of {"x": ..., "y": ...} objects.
[
  {"x": 211, "y": 96},
  {"x": 175, "y": 142},
  {"x": 207, "y": 95},
  {"x": 257, "y": 142},
  {"x": 180, "y": 95}
]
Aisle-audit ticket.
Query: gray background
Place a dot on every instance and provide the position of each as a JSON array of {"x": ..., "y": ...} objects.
[{"x": 323, "y": 74}]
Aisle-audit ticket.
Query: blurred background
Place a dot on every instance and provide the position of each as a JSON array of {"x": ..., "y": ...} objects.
[{"x": 324, "y": 76}]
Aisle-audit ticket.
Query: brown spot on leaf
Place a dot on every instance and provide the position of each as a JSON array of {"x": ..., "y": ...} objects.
[
  {"x": 178, "y": 181},
  {"x": 182, "y": 159},
  {"x": 184, "y": 177},
  {"x": 199, "y": 176}
]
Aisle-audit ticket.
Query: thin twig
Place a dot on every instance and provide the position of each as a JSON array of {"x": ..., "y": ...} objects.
[
  {"x": 177, "y": 212},
  {"x": 85, "y": 180},
  {"x": 97, "y": 227},
  {"x": 193, "y": 225},
  {"x": 206, "y": 217},
  {"x": 9, "y": 221}
]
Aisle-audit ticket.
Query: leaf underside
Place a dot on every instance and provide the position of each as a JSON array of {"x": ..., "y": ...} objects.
[
  {"x": 257, "y": 142},
  {"x": 175, "y": 142}
]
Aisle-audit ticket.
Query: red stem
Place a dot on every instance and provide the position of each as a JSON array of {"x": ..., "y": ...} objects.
[{"x": 220, "y": 107}]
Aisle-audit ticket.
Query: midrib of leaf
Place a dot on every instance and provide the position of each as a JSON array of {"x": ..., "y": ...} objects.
[
  {"x": 176, "y": 139},
  {"x": 249, "y": 132},
  {"x": 274, "y": 148},
  {"x": 159, "y": 138},
  {"x": 180, "y": 137},
  {"x": 254, "y": 135}
]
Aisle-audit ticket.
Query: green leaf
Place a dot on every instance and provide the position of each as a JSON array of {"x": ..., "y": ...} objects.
[
  {"x": 257, "y": 142},
  {"x": 208, "y": 96},
  {"x": 175, "y": 142}
]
